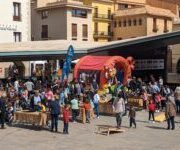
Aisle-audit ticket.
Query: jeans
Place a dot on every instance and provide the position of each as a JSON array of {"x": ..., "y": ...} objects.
[
  {"x": 132, "y": 121},
  {"x": 54, "y": 121},
  {"x": 96, "y": 107},
  {"x": 75, "y": 113},
  {"x": 171, "y": 123},
  {"x": 2, "y": 119},
  {"x": 66, "y": 125},
  {"x": 119, "y": 118},
  {"x": 151, "y": 113},
  {"x": 178, "y": 105}
]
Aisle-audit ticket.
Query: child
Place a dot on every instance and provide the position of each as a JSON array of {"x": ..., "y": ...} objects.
[
  {"x": 152, "y": 109},
  {"x": 66, "y": 113},
  {"x": 87, "y": 107},
  {"x": 42, "y": 109},
  {"x": 158, "y": 101},
  {"x": 132, "y": 116}
]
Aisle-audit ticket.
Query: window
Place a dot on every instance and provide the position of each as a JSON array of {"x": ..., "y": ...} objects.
[
  {"x": 85, "y": 30},
  {"x": 129, "y": 22},
  {"x": 155, "y": 25},
  {"x": 96, "y": 12},
  {"x": 44, "y": 14},
  {"x": 96, "y": 27},
  {"x": 109, "y": 28},
  {"x": 122, "y": 6},
  {"x": 44, "y": 32},
  {"x": 109, "y": 13},
  {"x": 115, "y": 24},
  {"x": 74, "y": 31},
  {"x": 79, "y": 13},
  {"x": 17, "y": 36},
  {"x": 17, "y": 11},
  {"x": 165, "y": 26},
  {"x": 119, "y": 38},
  {"x": 124, "y": 23},
  {"x": 134, "y": 22},
  {"x": 140, "y": 22},
  {"x": 120, "y": 23}
]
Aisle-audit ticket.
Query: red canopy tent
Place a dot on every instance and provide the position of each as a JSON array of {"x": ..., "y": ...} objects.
[{"x": 99, "y": 63}]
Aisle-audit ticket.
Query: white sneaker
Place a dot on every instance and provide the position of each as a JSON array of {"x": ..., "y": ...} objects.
[
  {"x": 98, "y": 117},
  {"x": 153, "y": 122}
]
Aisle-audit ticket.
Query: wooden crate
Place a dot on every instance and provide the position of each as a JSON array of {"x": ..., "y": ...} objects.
[{"x": 108, "y": 129}]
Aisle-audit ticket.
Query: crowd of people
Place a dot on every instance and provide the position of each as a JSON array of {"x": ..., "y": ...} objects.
[{"x": 65, "y": 98}]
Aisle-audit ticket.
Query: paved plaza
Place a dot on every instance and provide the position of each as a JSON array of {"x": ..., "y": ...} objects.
[{"x": 147, "y": 136}]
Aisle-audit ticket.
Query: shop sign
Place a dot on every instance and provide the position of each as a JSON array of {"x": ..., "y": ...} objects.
[
  {"x": 8, "y": 27},
  {"x": 149, "y": 64}
]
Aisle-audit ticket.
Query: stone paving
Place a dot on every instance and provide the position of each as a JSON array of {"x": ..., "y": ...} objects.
[{"x": 147, "y": 136}]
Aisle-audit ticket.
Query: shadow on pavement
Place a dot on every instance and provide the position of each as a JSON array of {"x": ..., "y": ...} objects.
[
  {"x": 29, "y": 127},
  {"x": 155, "y": 127}
]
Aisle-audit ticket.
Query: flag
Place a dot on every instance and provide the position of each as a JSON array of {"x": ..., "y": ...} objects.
[{"x": 67, "y": 64}]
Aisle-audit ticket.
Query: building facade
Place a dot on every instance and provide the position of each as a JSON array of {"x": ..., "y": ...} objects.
[
  {"x": 15, "y": 21},
  {"x": 61, "y": 19},
  {"x": 141, "y": 21},
  {"x": 102, "y": 17},
  {"x": 15, "y": 26}
]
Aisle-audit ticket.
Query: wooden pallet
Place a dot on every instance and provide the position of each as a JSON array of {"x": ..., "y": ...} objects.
[{"x": 108, "y": 129}]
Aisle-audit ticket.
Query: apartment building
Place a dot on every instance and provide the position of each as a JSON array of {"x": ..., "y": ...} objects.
[
  {"x": 61, "y": 19},
  {"x": 15, "y": 26},
  {"x": 141, "y": 21},
  {"x": 102, "y": 17},
  {"x": 15, "y": 20}
]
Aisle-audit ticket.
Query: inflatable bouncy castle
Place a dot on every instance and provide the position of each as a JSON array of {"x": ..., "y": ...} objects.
[{"x": 108, "y": 70}]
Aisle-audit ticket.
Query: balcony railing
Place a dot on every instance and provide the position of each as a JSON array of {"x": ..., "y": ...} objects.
[
  {"x": 102, "y": 16},
  {"x": 16, "y": 18},
  {"x": 102, "y": 34}
]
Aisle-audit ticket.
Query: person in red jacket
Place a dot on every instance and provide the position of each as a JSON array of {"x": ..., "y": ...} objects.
[
  {"x": 152, "y": 108},
  {"x": 66, "y": 114},
  {"x": 87, "y": 107}
]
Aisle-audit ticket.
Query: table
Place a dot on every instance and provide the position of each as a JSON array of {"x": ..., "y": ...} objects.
[{"x": 29, "y": 117}]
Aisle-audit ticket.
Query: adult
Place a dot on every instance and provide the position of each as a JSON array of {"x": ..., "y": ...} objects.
[
  {"x": 95, "y": 86},
  {"x": 49, "y": 95},
  {"x": 2, "y": 112},
  {"x": 30, "y": 85},
  {"x": 177, "y": 98},
  {"x": 36, "y": 100},
  {"x": 170, "y": 112},
  {"x": 96, "y": 100},
  {"x": 55, "y": 111},
  {"x": 74, "y": 108},
  {"x": 119, "y": 109}
]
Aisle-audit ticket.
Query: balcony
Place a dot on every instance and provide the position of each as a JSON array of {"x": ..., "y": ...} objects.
[
  {"x": 102, "y": 34},
  {"x": 102, "y": 17},
  {"x": 17, "y": 18}
]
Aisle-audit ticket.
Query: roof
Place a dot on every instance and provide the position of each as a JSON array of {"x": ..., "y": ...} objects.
[
  {"x": 57, "y": 48},
  {"x": 160, "y": 40},
  {"x": 145, "y": 10},
  {"x": 43, "y": 48},
  {"x": 60, "y": 4}
]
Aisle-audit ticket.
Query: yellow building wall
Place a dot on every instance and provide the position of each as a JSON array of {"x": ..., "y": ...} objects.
[
  {"x": 130, "y": 31},
  {"x": 103, "y": 8}
]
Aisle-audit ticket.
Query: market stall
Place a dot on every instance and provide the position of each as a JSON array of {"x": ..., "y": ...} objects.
[{"x": 107, "y": 71}]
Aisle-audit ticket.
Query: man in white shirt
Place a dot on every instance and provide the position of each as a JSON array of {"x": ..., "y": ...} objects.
[
  {"x": 29, "y": 85},
  {"x": 96, "y": 103}
]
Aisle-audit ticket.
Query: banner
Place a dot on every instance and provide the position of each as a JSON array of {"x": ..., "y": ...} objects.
[{"x": 67, "y": 64}]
